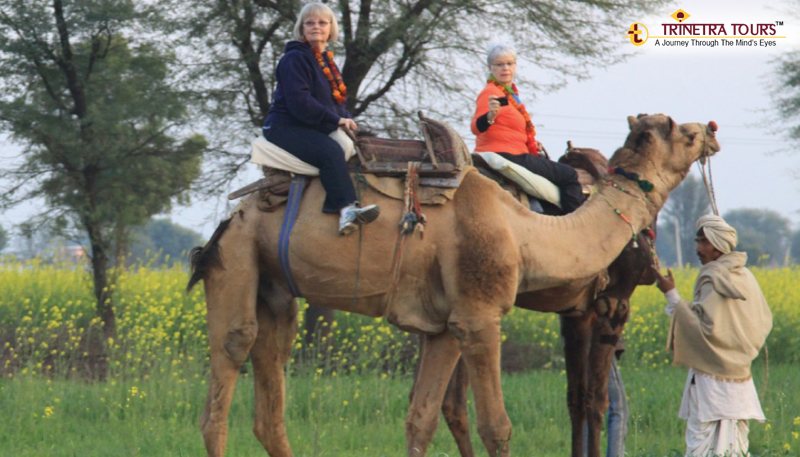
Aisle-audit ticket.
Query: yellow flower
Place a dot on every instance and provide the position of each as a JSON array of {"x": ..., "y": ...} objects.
[{"x": 48, "y": 412}]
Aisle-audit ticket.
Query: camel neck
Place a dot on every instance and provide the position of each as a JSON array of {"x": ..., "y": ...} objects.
[{"x": 557, "y": 250}]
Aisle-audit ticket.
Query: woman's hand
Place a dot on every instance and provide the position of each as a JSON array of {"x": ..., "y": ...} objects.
[
  {"x": 494, "y": 107},
  {"x": 348, "y": 123}
]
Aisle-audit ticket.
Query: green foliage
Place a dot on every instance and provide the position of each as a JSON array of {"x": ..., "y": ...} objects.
[
  {"x": 354, "y": 415},
  {"x": 686, "y": 204},
  {"x": 352, "y": 398},
  {"x": 396, "y": 57},
  {"x": 3, "y": 238},
  {"x": 99, "y": 118},
  {"x": 794, "y": 246},
  {"x": 763, "y": 234},
  {"x": 162, "y": 241}
]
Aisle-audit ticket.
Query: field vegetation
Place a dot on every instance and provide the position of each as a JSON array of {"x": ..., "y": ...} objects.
[{"x": 347, "y": 395}]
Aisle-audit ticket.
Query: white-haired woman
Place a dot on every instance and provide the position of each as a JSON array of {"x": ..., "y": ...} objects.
[
  {"x": 309, "y": 104},
  {"x": 502, "y": 125}
]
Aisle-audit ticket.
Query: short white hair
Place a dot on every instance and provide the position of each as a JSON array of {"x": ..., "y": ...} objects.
[
  {"x": 500, "y": 50},
  {"x": 316, "y": 9}
]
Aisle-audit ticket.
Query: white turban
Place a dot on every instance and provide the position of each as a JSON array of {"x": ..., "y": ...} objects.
[{"x": 721, "y": 235}]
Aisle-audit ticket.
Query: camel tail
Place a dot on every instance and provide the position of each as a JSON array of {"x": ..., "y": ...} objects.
[{"x": 202, "y": 259}]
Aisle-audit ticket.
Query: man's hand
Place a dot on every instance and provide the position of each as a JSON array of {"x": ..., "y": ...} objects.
[{"x": 664, "y": 283}]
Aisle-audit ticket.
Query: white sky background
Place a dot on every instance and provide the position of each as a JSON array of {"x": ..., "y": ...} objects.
[{"x": 728, "y": 85}]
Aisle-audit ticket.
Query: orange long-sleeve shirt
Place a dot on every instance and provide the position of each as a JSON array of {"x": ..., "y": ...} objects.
[{"x": 507, "y": 134}]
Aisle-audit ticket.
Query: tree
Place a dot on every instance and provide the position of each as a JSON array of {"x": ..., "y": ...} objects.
[
  {"x": 96, "y": 116},
  {"x": 794, "y": 247},
  {"x": 169, "y": 240},
  {"x": 763, "y": 234},
  {"x": 3, "y": 238},
  {"x": 685, "y": 205},
  {"x": 399, "y": 56}
]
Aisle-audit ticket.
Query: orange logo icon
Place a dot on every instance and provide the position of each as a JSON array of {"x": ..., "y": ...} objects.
[
  {"x": 680, "y": 15},
  {"x": 637, "y": 33}
]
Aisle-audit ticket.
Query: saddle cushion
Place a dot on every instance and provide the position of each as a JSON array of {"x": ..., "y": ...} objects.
[
  {"x": 267, "y": 154},
  {"x": 533, "y": 184}
]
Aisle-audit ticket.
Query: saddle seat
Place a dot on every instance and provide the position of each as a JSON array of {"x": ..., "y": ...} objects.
[{"x": 440, "y": 162}]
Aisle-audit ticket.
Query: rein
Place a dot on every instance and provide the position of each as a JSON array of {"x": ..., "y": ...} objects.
[{"x": 701, "y": 164}]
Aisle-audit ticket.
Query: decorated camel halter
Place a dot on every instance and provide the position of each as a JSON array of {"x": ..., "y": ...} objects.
[{"x": 643, "y": 184}]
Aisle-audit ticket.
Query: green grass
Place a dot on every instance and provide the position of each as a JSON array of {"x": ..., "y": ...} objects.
[{"x": 354, "y": 415}]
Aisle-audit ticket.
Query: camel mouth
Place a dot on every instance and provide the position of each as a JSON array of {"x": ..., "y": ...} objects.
[{"x": 710, "y": 143}]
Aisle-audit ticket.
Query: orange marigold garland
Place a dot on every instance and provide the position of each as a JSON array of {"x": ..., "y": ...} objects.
[
  {"x": 530, "y": 130},
  {"x": 332, "y": 73}
]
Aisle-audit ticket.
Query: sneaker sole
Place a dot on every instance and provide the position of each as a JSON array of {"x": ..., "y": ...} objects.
[
  {"x": 368, "y": 216},
  {"x": 348, "y": 229}
]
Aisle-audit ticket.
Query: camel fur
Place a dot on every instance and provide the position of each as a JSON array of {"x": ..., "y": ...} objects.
[
  {"x": 479, "y": 253},
  {"x": 591, "y": 330}
]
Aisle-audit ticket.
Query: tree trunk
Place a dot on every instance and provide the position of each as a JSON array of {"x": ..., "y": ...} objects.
[{"x": 102, "y": 291}]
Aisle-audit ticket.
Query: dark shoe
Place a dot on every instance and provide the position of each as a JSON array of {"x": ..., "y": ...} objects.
[{"x": 353, "y": 216}]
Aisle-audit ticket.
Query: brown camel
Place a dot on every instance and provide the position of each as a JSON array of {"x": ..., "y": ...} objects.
[
  {"x": 591, "y": 331},
  {"x": 597, "y": 313},
  {"x": 480, "y": 252}
]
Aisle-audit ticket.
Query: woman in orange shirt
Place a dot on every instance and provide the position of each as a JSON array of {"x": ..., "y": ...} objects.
[{"x": 502, "y": 125}]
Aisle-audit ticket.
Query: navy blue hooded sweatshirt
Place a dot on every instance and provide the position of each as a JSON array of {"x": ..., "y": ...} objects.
[{"x": 303, "y": 94}]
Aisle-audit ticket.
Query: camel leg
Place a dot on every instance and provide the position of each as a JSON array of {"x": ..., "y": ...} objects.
[
  {"x": 576, "y": 332},
  {"x": 232, "y": 329},
  {"x": 439, "y": 357},
  {"x": 454, "y": 409},
  {"x": 454, "y": 405},
  {"x": 606, "y": 331},
  {"x": 597, "y": 392},
  {"x": 273, "y": 346},
  {"x": 479, "y": 340}
]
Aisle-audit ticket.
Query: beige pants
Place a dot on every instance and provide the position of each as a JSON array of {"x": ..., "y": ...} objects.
[{"x": 727, "y": 437}]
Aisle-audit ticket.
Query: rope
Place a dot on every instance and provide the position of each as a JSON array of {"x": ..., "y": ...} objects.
[
  {"x": 708, "y": 181},
  {"x": 412, "y": 221}
]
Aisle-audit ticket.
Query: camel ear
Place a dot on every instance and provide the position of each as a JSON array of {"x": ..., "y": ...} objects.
[
  {"x": 632, "y": 122},
  {"x": 673, "y": 126}
]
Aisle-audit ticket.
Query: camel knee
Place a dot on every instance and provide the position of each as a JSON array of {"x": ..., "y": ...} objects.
[
  {"x": 498, "y": 432},
  {"x": 273, "y": 437},
  {"x": 239, "y": 340},
  {"x": 420, "y": 428}
]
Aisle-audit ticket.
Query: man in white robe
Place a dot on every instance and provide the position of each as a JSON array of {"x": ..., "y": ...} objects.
[{"x": 717, "y": 335}]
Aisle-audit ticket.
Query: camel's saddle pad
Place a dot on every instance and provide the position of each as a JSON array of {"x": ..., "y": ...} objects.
[
  {"x": 442, "y": 159},
  {"x": 589, "y": 163}
]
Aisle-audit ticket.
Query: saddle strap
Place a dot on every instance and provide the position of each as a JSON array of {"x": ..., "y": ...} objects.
[{"x": 289, "y": 218}]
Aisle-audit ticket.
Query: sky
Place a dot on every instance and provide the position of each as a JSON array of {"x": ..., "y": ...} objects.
[
  {"x": 730, "y": 85},
  {"x": 727, "y": 84}
]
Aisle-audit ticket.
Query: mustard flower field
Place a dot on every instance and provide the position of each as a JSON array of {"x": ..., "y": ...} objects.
[{"x": 346, "y": 394}]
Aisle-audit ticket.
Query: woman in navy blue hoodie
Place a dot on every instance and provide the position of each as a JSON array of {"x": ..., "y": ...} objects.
[{"x": 310, "y": 104}]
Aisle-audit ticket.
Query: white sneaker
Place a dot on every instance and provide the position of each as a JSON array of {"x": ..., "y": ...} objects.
[{"x": 352, "y": 216}]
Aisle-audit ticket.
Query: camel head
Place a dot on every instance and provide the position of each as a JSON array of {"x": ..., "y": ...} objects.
[{"x": 662, "y": 151}]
